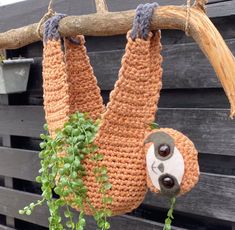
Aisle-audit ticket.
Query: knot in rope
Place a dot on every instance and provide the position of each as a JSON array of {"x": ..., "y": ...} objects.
[{"x": 50, "y": 12}]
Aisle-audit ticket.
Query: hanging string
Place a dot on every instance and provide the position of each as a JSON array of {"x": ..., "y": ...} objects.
[
  {"x": 187, "y": 26},
  {"x": 50, "y": 13},
  {"x": 50, "y": 6}
]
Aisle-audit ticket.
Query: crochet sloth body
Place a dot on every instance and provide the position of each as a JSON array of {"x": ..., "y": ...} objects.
[
  {"x": 70, "y": 86},
  {"x": 124, "y": 138}
]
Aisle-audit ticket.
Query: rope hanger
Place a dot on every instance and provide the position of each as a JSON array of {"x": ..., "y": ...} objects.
[
  {"x": 50, "y": 12},
  {"x": 70, "y": 85},
  {"x": 187, "y": 28}
]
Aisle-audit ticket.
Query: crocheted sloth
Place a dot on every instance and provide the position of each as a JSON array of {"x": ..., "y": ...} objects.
[
  {"x": 171, "y": 162},
  {"x": 70, "y": 85}
]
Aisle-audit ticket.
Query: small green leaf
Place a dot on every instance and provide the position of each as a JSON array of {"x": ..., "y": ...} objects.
[
  {"x": 45, "y": 127},
  {"x": 28, "y": 212},
  {"x": 82, "y": 222},
  {"x": 42, "y": 136},
  {"x": 39, "y": 179},
  {"x": 42, "y": 145},
  {"x": 67, "y": 166},
  {"x": 57, "y": 190},
  {"x": 77, "y": 162},
  {"x": 107, "y": 200},
  {"x": 154, "y": 126},
  {"x": 70, "y": 224},
  {"x": 74, "y": 175},
  {"x": 67, "y": 214},
  {"x": 32, "y": 205},
  {"x": 21, "y": 212},
  {"x": 99, "y": 157},
  {"x": 106, "y": 226},
  {"x": 107, "y": 186},
  {"x": 68, "y": 129}
]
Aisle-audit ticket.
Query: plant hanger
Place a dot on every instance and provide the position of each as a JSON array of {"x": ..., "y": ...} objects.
[
  {"x": 129, "y": 156},
  {"x": 70, "y": 86}
]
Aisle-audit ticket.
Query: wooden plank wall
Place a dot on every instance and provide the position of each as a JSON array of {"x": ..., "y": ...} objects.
[{"x": 192, "y": 101}]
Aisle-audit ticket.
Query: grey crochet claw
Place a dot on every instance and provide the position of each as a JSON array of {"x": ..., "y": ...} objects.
[
  {"x": 51, "y": 27},
  {"x": 141, "y": 24}
]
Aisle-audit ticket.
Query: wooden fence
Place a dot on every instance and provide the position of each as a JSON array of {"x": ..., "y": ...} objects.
[{"x": 192, "y": 101}]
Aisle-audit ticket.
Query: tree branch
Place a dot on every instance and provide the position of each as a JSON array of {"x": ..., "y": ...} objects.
[
  {"x": 167, "y": 17},
  {"x": 101, "y": 6},
  {"x": 200, "y": 4}
]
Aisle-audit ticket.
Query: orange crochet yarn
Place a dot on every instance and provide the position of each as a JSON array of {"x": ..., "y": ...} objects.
[
  {"x": 84, "y": 94},
  {"x": 128, "y": 117},
  {"x": 70, "y": 85},
  {"x": 130, "y": 111}
]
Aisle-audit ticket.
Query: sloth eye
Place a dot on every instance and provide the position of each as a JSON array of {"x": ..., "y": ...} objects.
[
  {"x": 168, "y": 182},
  {"x": 164, "y": 150}
]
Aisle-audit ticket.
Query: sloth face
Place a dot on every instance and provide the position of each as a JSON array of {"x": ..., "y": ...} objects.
[{"x": 169, "y": 154}]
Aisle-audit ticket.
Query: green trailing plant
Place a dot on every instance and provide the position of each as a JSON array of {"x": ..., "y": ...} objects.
[
  {"x": 170, "y": 216},
  {"x": 154, "y": 125},
  {"x": 64, "y": 175}
]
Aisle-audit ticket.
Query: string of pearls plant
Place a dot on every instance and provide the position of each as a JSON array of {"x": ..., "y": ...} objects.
[{"x": 64, "y": 175}]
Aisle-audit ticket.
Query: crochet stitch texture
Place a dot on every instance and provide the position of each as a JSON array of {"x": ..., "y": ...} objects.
[{"x": 70, "y": 85}]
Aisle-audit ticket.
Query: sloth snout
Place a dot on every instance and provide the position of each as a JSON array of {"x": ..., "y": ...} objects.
[{"x": 161, "y": 167}]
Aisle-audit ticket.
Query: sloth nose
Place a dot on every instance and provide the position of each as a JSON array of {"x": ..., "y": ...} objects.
[{"x": 161, "y": 167}]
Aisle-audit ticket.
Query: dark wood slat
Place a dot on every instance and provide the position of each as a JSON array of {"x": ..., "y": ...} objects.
[
  {"x": 31, "y": 11},
  {"x": 17, "y": 163},
  {"x": 130, "y": 223},
  {"x": 184, "y": 66},
  {"x": 21, "y": 120},
  {"x": 8, "y": 181},
  {"x": 221, "y": 9},
  {"x": 215, "y": 1},
  {"x": 196, "y": 98},
  {"x": 170, "y": 98},
  {"x": 211, "y": 129},
  {"x": 2, "y": 227},
  {"x": 24, "y": 164},
  {"x": 216, "y": 8},
  {"x": 218, "y": 164},
  {"x": 11, "y": 201},
  {"x": 212, "y": 197},
  {"x": 120, "y": 5},
  {"x": 205, "y": 187}
]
